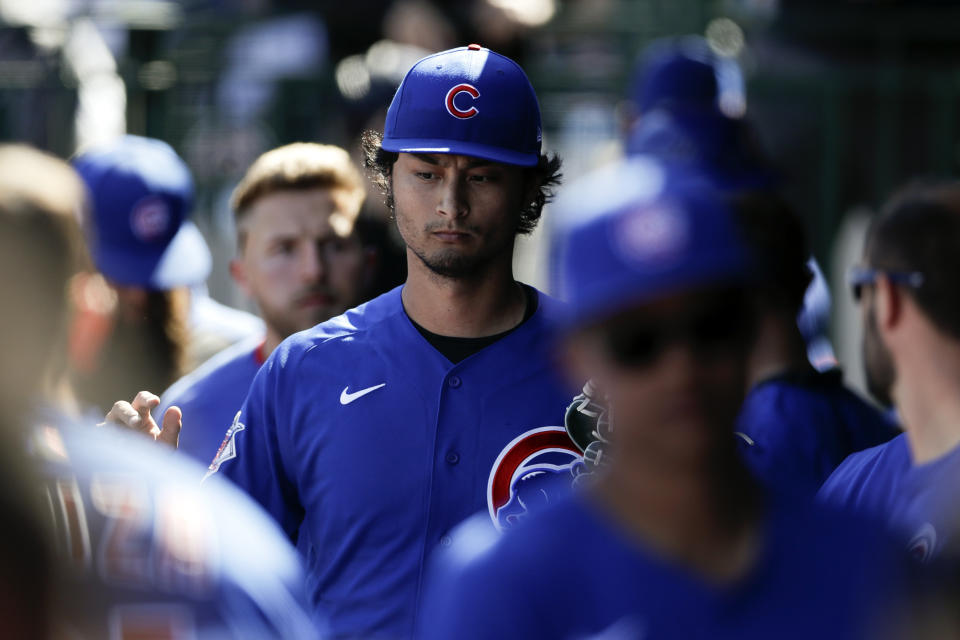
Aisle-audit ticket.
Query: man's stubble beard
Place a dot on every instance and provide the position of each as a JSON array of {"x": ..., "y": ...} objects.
[
  {"x": 877, "y": 363},
  {"x": 454, "y": 266},
  {"x": 285, "y": 326},
  {"x": 450, "y": 263}
]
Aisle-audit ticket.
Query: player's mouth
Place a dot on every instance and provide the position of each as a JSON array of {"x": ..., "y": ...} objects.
[
  {"x": 452, "y": 236},
  {"x": 314, "y": 300}
]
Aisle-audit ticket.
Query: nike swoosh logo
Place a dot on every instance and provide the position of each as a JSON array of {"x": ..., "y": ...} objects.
[{"x": 346, "y": 397}]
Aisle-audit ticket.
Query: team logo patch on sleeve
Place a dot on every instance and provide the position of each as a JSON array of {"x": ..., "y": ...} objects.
[
  {"x": 922, "y": 546},
  {"x": 228, "y": 448},
  {"x": 531, "y": 470}
]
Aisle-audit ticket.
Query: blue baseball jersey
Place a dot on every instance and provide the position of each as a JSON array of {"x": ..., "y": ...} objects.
[
  {"x": 360, "y": 435},
  {"x": 146, "y": 552},
  {"x": 211, "y": 396},
  {"x": 919, "y": 502},
  {"x": 571, "y": 573},
  {"x": 796, "y": 429}
]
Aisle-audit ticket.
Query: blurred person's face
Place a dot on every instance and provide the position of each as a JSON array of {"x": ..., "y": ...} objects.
[
  {"x": 301, "y": 261},
  {"x": 35, "y": 316},
  {"x": 877, "y": 360},
  {"x": 457, "y": 214},
  {"x": 674, "y": 375},
  {"x": 131, "y": 303}
]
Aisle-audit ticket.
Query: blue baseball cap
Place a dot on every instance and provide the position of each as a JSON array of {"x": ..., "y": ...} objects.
[
  {"x": 629, "y": 234},
  {"x": 677, "y": 73},
  {"x": 141, "y": 195},
  {"x": 469, "y": 101},
  {"x": 723, "y": 148}
]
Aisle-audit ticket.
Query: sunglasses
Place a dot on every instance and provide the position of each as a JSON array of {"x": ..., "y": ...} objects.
[
  {"x": 860, "y": 277},
  {"x": 712, "y": 332}
]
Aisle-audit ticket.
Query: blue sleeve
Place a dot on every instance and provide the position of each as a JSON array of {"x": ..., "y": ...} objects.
[
  {"x": 252, "y": 454},
  {"x": 857, "y": 484},
  {"x": 783, "y": 451},
  {"x": 838, "y": 489}
]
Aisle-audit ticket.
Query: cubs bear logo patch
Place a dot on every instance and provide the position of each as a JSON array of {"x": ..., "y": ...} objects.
[{"x": 533, "y": 469}]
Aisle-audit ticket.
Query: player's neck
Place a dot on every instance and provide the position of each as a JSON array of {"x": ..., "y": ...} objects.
[
  {"x": 705, "y": 518},
  {"x": 777, "y": 349},
  {"x": 270, "y": 342},
  {"x": 488, "y": 304},
  {"x": 927, "y": 396}
]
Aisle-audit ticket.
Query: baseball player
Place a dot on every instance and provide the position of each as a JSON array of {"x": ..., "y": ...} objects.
[
  {"x": 144, "y": 552},
  {"x": 672, "y": 539},
  {"x": 799, "y": 420},
  {"x": 376, "y": 432},
  {"x": 151, "y": 256},
  {"x": 141, "y": 550},
  {"x": 909, "y": 292},
  {"x": 797, "y": 423},
  {"x": 675, "y": 99},
  {"x": 301, "y": 257}
]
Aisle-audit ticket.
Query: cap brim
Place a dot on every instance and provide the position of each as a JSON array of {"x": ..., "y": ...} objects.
[
  {"x": 472, "y": 149},
  {"x": 186, "y": 262},
  {"x": 618, "y": 295}
]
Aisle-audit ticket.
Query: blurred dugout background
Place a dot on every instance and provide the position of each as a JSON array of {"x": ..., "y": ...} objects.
[{"x": 851, "y": 97}]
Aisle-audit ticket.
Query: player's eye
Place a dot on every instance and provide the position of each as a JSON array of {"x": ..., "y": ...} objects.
[
  {"x": 481, "y": 178},
  {"x": 425, "y": 175},
  {"x": 334, "y": 246},
  {"x": 284, "y": 247}
]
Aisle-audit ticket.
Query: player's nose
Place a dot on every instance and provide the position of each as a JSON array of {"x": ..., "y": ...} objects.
[
  {"x": 453, "y": 201},
  {"x": 312, "y": 264}
]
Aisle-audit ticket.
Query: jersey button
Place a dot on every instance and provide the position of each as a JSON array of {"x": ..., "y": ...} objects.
[
  {"x": 454, "y": 381},
  {"x": 445, "y": 541},
  {"x": 453, "y": 457}
]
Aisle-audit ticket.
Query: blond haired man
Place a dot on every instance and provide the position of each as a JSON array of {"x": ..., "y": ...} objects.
[{"x": 299, "y": 257}]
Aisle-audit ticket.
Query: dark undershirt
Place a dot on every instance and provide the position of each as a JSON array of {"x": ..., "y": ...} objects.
[{"x": 458, "y": 349}]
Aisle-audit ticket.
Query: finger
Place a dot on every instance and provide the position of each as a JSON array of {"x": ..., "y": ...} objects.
[
  {"x": 172, "y": 423},
  {"x": 145, "y": 401},
  {"x": 123, "y": 414}
]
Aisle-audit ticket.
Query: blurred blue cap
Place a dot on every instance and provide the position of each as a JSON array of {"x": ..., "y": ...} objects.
[
  {"x": 141, "y": 195},
  {"x": 724, "y": 149},
  {"x": 677, "y": 74},
  {"x": 469, "y": 101},
  {"x": 629, "y": 234}
]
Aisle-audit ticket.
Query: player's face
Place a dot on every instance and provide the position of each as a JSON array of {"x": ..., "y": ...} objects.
[
  {"x": 300, "y": 261},
  {"x": 674, "y": 374},
  {"x": 877, "y": 361},
  {"x": 457, "y": 214}
]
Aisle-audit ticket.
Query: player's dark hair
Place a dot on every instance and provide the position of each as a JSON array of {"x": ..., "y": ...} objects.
[
  {"x": 775, "y": 235},
  {"x": 149, "y": 354},
  {"x": 919, "y": 230},
  {"x": 546, "y": 175}
]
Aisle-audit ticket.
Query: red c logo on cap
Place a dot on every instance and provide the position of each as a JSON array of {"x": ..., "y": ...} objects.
[{"x": 452, "y": 109}]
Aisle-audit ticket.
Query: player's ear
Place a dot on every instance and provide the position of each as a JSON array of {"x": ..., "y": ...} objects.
[
  {"x": 888, "y": 304},
  {"x": 238, "y": 271}
]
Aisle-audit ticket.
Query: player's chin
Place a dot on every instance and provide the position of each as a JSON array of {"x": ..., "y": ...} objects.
[{"x": 454, "y": 262}]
